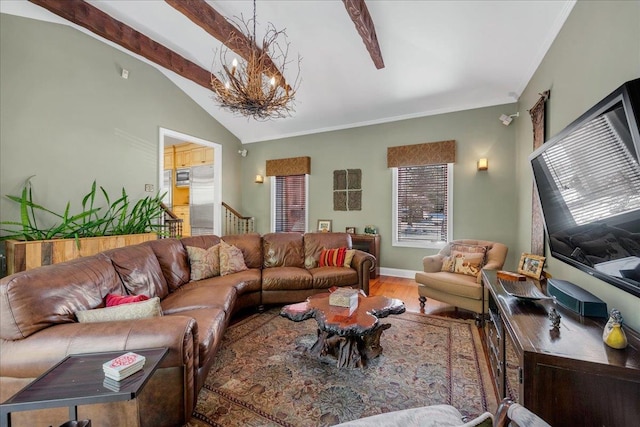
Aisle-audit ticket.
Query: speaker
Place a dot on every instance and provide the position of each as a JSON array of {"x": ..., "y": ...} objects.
[{"x": 576, "y": 299}]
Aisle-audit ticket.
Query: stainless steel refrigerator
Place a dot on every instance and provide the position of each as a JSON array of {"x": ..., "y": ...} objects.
[
  {"x": 167, "y": 178},
  {"x": 201, "y": 190}
]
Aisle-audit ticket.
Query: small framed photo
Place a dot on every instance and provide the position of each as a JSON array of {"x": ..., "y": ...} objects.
[
  {"x": 350, "y": 230},
  {"x": 531, "y": 265},
  {"x": 324, "y": 225}
]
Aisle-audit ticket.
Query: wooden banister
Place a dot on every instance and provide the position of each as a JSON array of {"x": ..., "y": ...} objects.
[{"x": 235, "y": 222}]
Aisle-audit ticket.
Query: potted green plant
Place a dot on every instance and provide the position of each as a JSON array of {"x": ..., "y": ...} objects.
[{"x": 94, "y": 229}]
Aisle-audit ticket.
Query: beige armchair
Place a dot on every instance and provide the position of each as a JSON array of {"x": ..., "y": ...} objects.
[{"x": 460, "y": 290}]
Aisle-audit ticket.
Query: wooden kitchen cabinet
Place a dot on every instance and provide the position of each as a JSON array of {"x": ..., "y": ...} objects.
[
  {"x": 201, "y": 156},
  {"x": 182, "y": 212},
  {"x": 182, "y": 156}
]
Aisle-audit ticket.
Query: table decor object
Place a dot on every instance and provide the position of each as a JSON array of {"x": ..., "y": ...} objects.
[{"x": 613, "y": 334}]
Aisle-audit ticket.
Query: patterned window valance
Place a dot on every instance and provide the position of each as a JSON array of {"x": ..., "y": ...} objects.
[
  {"x": 431, "y": 153},
  {"x": 290, "y": 166}
]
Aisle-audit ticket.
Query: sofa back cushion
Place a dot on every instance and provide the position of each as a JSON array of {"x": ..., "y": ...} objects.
[
  {"x": 139, "y": 270},
  {"x": 174, "y": 264},
  {"x": 203, "y": 242},
  {"x": 314, "y": 243},
  {"x": 36, "y": 299},
  {"x": 250, "y": 245},
  {"x": 283, "y": 250}
]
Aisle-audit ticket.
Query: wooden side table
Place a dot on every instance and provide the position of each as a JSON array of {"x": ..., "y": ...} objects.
[{"x": 79, "y": 380}]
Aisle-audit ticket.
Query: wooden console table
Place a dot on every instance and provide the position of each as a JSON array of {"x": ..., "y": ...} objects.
[
  {"x": 568, "y": 377},
  {"x": 369, "y": 243}
]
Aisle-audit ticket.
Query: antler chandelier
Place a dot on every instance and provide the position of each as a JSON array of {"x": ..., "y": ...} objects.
[{"x": 255, "y": 87}]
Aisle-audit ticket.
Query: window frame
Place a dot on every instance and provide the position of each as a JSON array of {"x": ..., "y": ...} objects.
[
  {"x": 272, "y": 198},
  {"x": 422, "y": 243}
]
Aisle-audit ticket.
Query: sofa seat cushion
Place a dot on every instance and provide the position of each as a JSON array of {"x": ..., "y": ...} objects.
[
  {"x": 139, "y": 270},
  {"x": 197, "y": 297},
  {"x": 211, "y": 325},
  {"x": 326, "y": 277},
  {"x": 244, "y": 281},
  {"x": 452, "y": 283},
  {"x": 286, "y": 278}
]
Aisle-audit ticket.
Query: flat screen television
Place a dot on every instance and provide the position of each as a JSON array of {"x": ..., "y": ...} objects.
[{"x": 588, "y": 181}]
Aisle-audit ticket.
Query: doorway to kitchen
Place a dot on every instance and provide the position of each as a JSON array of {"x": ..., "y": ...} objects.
[{"x": 191, "y": 176}]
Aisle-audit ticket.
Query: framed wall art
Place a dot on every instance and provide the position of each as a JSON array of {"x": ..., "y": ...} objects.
[
  {"x": 324, "y": 225},
  {"x": 531, "y": 265}
]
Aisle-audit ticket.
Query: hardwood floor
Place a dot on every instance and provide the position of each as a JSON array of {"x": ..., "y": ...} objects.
[{"x": 407, "y": 291}]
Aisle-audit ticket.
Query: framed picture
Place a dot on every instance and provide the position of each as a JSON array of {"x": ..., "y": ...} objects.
[
  {"x": 324, "y": 225},
  {"x": 531, "y": 265},
  {"x": 350, "y": 230}
]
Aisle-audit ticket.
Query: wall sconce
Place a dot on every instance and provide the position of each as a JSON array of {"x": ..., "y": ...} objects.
[
  {"x": 483, "y": 164},
  {"x": 259, "y": 179}
]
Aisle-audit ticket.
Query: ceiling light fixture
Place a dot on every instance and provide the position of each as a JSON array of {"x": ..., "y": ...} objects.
[
  {"x": 250, "y": 87},
  {"x": 506, "y": 120}
]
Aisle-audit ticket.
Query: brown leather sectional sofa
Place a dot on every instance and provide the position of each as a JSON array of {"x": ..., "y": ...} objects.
[{"x": 38, "y": 326}]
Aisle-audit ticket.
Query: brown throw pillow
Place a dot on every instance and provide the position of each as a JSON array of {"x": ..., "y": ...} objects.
[
  {"x": 205, "y": 263},
  {"x": 231, "y": 259}
]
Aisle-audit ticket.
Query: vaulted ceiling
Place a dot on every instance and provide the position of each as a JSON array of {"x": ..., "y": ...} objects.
[{"x": 430, "y": 57}]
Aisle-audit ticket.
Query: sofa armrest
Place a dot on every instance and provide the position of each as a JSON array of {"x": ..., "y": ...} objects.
[
  {"x": 363, "y": 263},
  {"x": 30, "y": 357},
  {"x": 432, "y": 263}
]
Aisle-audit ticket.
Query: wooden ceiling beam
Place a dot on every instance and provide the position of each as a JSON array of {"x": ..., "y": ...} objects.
[
  {"x": 93, "y": 19},
  {"x": 214, "y": 23},
  {"x": 360, "y": 16}
]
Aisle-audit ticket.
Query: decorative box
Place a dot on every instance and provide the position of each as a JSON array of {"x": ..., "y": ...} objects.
[{"x": 344, "y": 297}]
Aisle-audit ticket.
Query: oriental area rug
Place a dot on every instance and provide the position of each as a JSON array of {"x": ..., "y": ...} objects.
[{"x": 263, "y": 375}]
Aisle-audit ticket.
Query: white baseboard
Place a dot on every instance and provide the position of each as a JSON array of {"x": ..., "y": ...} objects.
[{"x": 397, "y": 272}]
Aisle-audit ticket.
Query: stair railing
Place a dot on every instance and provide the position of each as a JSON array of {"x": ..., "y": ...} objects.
[
  {"x": 235, "y": 223},
  {"x": 172, "y": 223}
]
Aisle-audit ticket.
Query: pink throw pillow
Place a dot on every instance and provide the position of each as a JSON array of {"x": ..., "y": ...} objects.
[{"x": 113, "y": 299}]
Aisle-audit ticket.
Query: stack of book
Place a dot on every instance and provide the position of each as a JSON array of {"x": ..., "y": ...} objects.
[{"x": 123, "y": 366}]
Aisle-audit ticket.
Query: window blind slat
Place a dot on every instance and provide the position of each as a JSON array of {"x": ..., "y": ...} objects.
[
  {"x": 422, "y": 203},
  {"x": 290, "y": 203}
]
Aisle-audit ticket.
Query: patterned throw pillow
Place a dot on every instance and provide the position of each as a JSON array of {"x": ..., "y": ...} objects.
[
  {"x": 113, "y": 299},
  {"x": 136, "y": 310},
  {"x": 340, "y": 257},
  {"x": 467, "y": 263},
  {"x": 231, "y": 259},
  {"x": 204, "y": 263},
  {"x": 465, "y": 259}
]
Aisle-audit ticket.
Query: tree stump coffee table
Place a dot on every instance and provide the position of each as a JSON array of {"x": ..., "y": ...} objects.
[{"x": 352, "y": 338}]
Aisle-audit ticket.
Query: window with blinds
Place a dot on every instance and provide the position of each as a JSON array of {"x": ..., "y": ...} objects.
[
  {"x": 422, "y": 205},
  {"x": 289, "y": 203},
  {"x": 595, "y": 171}
]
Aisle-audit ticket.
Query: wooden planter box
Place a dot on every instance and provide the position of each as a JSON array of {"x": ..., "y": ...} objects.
[{"x": 25, "y": 255}]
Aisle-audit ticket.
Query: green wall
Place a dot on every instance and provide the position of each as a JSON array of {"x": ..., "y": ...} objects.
[
  {"x": 596, "y": 51},
  {"x": 68, "y": 117},
  {"x": 484, "y": 202}
]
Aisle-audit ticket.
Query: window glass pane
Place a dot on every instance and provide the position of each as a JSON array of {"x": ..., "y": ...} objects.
[
  {"x": 290, "y": 203},
  {"x": 422, "y": 199}
]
